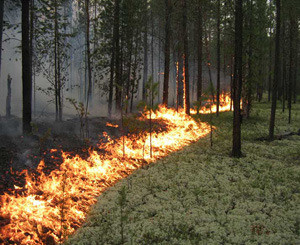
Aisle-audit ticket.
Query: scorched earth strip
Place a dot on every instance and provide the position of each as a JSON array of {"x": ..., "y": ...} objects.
[{"x": 53, "y": 206}]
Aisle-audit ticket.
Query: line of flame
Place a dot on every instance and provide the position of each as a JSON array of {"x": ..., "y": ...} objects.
[{"x": 52, "y": 207}]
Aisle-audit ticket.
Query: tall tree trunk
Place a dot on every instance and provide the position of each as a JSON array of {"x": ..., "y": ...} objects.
[
  {"x": 145, "y": 73},
  {"x": 32, "y": 19},
  {"x": 111, "y": 80},
  {"x": 284, "y": 70},
  {"x": 167, "y": 52},
  {"x": 159, "y": 66},
  {"x": 211, "y": 85},
  {"x": 200, "y": 51},
  {"x": 270, "y": 69},
  {"x": 180, "y": 80},
  {"x": 8, "y": 98},
  {"x": 218, "y": 55},
  {"x": 237, "y": 81},
  {"x": 88, "y": 54},
  {"x": 152, "y": 46},
  {"x": 248, "y": 99},
  {"x": 1, "y": 29},
  {"x": 276, "y": 70},
  {"x": 118, "y": 63},
  {"x": 292, "y": 71},
  {"x": 56, "y": 60},
  {"x": 186, "y": 77},
  {"x": 26, "y": 71},
  {"x": 296, "y": 63}
]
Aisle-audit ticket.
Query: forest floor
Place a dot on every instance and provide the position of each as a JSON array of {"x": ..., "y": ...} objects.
[
  {"x": 50, "y": 138},
  {"x": 201, "y": 195}
]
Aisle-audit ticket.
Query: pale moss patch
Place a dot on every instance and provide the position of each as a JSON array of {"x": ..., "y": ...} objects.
[{"x": 203, "y": 196}]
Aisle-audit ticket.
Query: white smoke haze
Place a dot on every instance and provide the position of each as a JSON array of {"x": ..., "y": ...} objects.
[{"x": 44, "y": 106}]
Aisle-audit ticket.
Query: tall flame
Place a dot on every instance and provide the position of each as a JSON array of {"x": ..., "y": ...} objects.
[{"x": 51, "y": 207}]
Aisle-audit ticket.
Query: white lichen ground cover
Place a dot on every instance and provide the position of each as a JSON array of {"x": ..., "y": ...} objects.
[{"x": 200, "y": 195}]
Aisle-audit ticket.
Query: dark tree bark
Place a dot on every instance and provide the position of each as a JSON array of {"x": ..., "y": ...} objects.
[
  {"x": 167, "y": 51},
  {"x": 296, "y": 64},
  {"x": 179, "y": 80},
  {"x": 249, "y": 84},
  {"x": 270, "y": 71},
  {"x": 145, "y": 73},
  {"x": 237, "y": 81},
  {"x": 57, "y": 67},
  {"x": 1, "y": 29},
  {"x": 276, "y": 70},
  {"x": 200, "y": 51},
  {"x": 118, "y": 58},
  {"x": 293, "y": 53},
  {"x": 186, "y": 78},
  {"x": 32, "y": 35},
  {"x": 284, "y": 66},
  {"x": 8, "y": 98},
  {"x": 111, "y": 80},
  {"x": 26, "y": 68},
  {"x": 218, "y": 55},
  {"x": 88, "y": 53}
]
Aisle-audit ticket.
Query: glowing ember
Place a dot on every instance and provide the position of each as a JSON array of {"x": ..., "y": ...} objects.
[
  {"x": 112, "y": 125},
  {"x": 51, "y": 207},
  {"x": 224, "y": 106}
]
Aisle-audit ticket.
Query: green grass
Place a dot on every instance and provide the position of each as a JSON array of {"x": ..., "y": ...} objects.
[{"x": 200, "y": 195}]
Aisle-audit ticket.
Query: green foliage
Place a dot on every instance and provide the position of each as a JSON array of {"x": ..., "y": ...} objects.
[
  {"x": 82, "y": 115},
  {"x": 151, "y": 93}
]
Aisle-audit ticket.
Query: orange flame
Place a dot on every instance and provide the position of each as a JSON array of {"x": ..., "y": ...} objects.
[
  {"x": 224, "y": 106},
  {"x": 112, "y": 125},
  {"x": 53, "y": 206}
]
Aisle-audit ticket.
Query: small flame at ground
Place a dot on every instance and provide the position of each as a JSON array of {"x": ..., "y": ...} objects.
[
  {"x": 225, "y": 104},
  {"x": 51, "y": 207}
]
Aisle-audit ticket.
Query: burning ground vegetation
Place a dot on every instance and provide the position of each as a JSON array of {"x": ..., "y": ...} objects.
[
  {"x": 200, "y": 195},
  {"x": 48, "y": 203}
]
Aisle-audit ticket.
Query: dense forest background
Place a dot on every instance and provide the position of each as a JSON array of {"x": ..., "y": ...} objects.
[
  {"x": 103, "y": 57},
  {"x": 92, "y": 50}
]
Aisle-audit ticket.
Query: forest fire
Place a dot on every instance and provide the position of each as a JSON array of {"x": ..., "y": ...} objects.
[
  {"x": 225, "y": 104},
  {"x": 51, "y": 207}
]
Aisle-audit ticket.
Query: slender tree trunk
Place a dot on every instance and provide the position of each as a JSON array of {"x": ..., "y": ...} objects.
[
  {"x": 284, "y": 70},
  {"x": 115, "y": 41},
  {"x": 159, "y": 66},
  {"x": 270, "y": 69},
  {"x": 186, "y": 59},
  {"x": 292, "y": 71},
  {"x": 55, "y": 60},
  {"x": 1, "y": 29},
  {"x": 276, "y": 70},
  {"x": 26, "y": 71},
  {"x": 296, "y": 63},
  {"x": 218, "y": 54},
  {"x": 88, "y": 54},
  {"x": 145, "y": 74},
  {"x": 8, "y": 98},
  {"x": 167, "y": 52},
  {"x": 32, "y": 19},
  {"x": 249, "y": 84},
  {"x": 118, "y": 63},
  {"x": 111, "y": 80},
  {"x": 180, "y": 80},
  {"x": 209, "y": 65},
  {"x": 200, "y": 51},
  {"x": 237, "y": 81},
  {"x": 152, "y": 46},
  {"x": 129, "y": 65}
]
